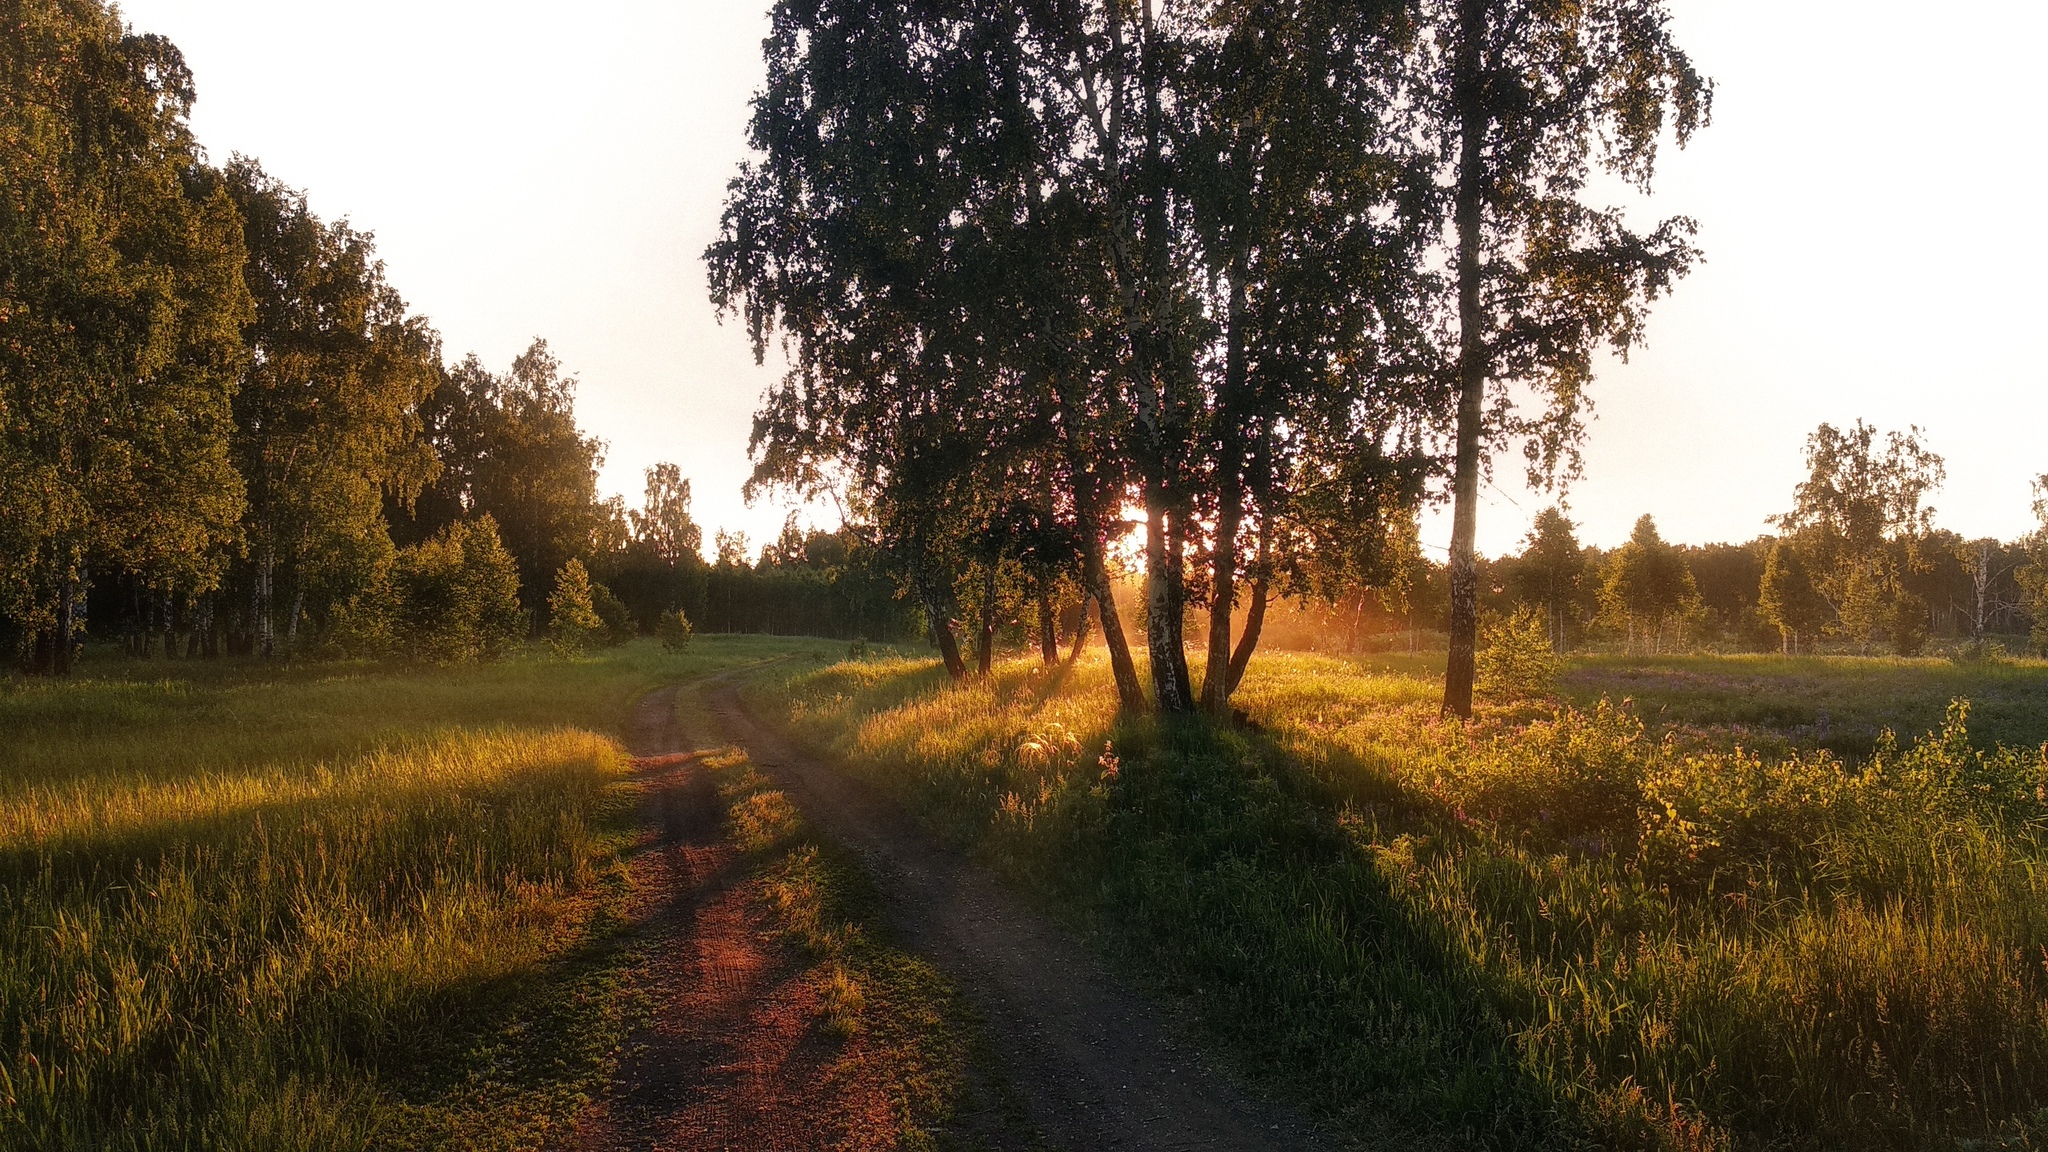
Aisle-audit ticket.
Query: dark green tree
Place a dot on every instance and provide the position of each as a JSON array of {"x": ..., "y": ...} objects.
[
  {"x": 1552, "y": 573},
  {"x": 327, "y": 415},
  {"x": 1861, "y": 520},
  {"x": 509, "y": 447},
  {"x": 2033, "y": 575},
  {"x": 1788, "y": 600},
  {"x": 1077, "y": 257},
  {"x": 121, "y": 304},
  {"x": 1646, "y": 585}
]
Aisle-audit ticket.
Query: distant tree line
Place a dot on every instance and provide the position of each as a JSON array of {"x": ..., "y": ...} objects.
[
  {"x": 1858, "y": 564},
  {"x": 222, "y": 431}
]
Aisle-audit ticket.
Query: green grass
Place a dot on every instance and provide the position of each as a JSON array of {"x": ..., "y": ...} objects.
[
  {"x": 274, "y": 906},
  {"x": 1553, "y": 928},
  {"x": 1843, "y": 703}
]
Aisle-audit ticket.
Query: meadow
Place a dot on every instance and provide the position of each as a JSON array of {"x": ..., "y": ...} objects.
[
  {"x": 1697, "y": 919},
  {"x": 254, "y": 905}
]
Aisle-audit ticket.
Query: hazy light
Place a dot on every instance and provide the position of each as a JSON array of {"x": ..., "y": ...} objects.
[{"x": 1868, "y": 199}]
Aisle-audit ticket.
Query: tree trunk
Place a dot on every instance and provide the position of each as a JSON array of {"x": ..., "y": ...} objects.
[
  {"x": 1254, "y": 624},
  {"x": 1473, "y": 368},
  {"x": 291, "y": 634},
  {"x": 259, "y": 603},
  {"x": 167, "y": 615},
  {"x": 938, "y": 620},
  {"x": 1262, "y": 587},
  {"x": 1130, "y": 693},
  {"x": 1217, "y": 681},
  {"x": 985, "y": 656},
  {"x": 67, "y": 607},
  {"x": 203, "y": 636},
  {"x": 1081, "y": 631},
  {"x": 1048, "y": 627},
  {"x": 1164, "y": 629}
]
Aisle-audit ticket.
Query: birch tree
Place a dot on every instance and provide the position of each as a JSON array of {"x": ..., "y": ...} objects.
[{"x": 1519, "y": 101}]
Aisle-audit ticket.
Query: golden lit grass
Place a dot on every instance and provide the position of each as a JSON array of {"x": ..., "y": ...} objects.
[
  {"x": 1550, "y": 928},
  {"x": 316, "y": 908}
]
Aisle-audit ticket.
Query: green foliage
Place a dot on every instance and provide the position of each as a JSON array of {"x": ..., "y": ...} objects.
[
  {"x": 455, "y": 598},
  {"x": 1605, "y": 936},
  {"x": 1552, "y": 572},
  {"x": 509, "y": 447},
  {"x": 1788, "y": 599},
  {"x": 121, "y": 308},
  {"x": 1908, "y": 624},
  {"x": 1646, "y": 587},
  {"x": 618, "y": 620},
  {"x": 573, "y": 621},
  {"x": 1516, "y": 658},
  {"x": 2033, "y": 577},
  {"x": 674, "y": 631},
  {"x": 326, "y": 418},
  {"x": 1860, "y": 520}
]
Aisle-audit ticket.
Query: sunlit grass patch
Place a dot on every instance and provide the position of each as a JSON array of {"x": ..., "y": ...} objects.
[
  {"x": 1547, "y": 928},
  {"x": 317, "y": 907}
]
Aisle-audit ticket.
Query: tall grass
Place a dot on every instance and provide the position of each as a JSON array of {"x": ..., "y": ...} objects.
[
  {"x": 315, "y": 908},
  {"x": 1552, "y": 928}
]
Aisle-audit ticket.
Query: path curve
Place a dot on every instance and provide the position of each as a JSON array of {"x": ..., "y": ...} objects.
[{"x": 1095, "y": 1064}]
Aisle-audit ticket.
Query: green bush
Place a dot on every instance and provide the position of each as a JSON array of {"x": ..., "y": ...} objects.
[
  {"x": 573, "y": 622},
  {"x": 674, "y": 630},
  {"x": 1516, "y": 661},
  {"x": 618, "y": 619},
  {"x": 451, "y": 599}
]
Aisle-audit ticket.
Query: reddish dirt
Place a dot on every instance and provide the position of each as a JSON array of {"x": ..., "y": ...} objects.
[{"x": 733, "y": 1057}]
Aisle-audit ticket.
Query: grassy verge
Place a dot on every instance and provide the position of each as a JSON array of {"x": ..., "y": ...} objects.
[
  {"x": 253, "y": 906},
  {"x": 1553, "y": 928}
]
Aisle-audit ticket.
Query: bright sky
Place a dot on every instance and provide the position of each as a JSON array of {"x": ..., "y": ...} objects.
[{"x": 1869, "y": 199}]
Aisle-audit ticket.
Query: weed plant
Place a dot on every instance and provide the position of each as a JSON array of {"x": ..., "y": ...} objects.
[
  {"x": 334, "y": 907},
  {"x": 1554, "y": 927}
]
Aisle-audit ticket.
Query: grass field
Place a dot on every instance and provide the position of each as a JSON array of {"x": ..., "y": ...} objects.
[
  {"x": 322, "y": 907},
  {"x": 1591, "y": 926}
]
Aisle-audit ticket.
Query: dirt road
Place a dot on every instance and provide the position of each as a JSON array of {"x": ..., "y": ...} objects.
[
  {"x": 732, "y": 1058},
  {"x": 1094, "y": 1064}
]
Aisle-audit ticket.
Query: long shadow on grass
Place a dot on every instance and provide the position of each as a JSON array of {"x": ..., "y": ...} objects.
[
  {"x": 1213, "y": 865},
  {"x": 1227, "y": 877}
]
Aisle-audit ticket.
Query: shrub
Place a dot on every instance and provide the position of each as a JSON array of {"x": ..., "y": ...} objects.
[
  {"x": 573, "y": 622},
  {"x": 1909, "y": 624},
  {"x": 674, "y": 630},
  {"x": 1516, "y": 661},
  {"x": 451, "y": 599},
  {"x": 618, "y": 619}
]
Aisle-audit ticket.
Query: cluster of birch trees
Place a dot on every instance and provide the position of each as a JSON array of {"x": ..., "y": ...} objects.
[{"x": 1259, "y": 277}]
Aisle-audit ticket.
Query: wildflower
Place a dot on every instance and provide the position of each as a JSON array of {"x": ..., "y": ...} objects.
[{"x": 1109, "y": 762}]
